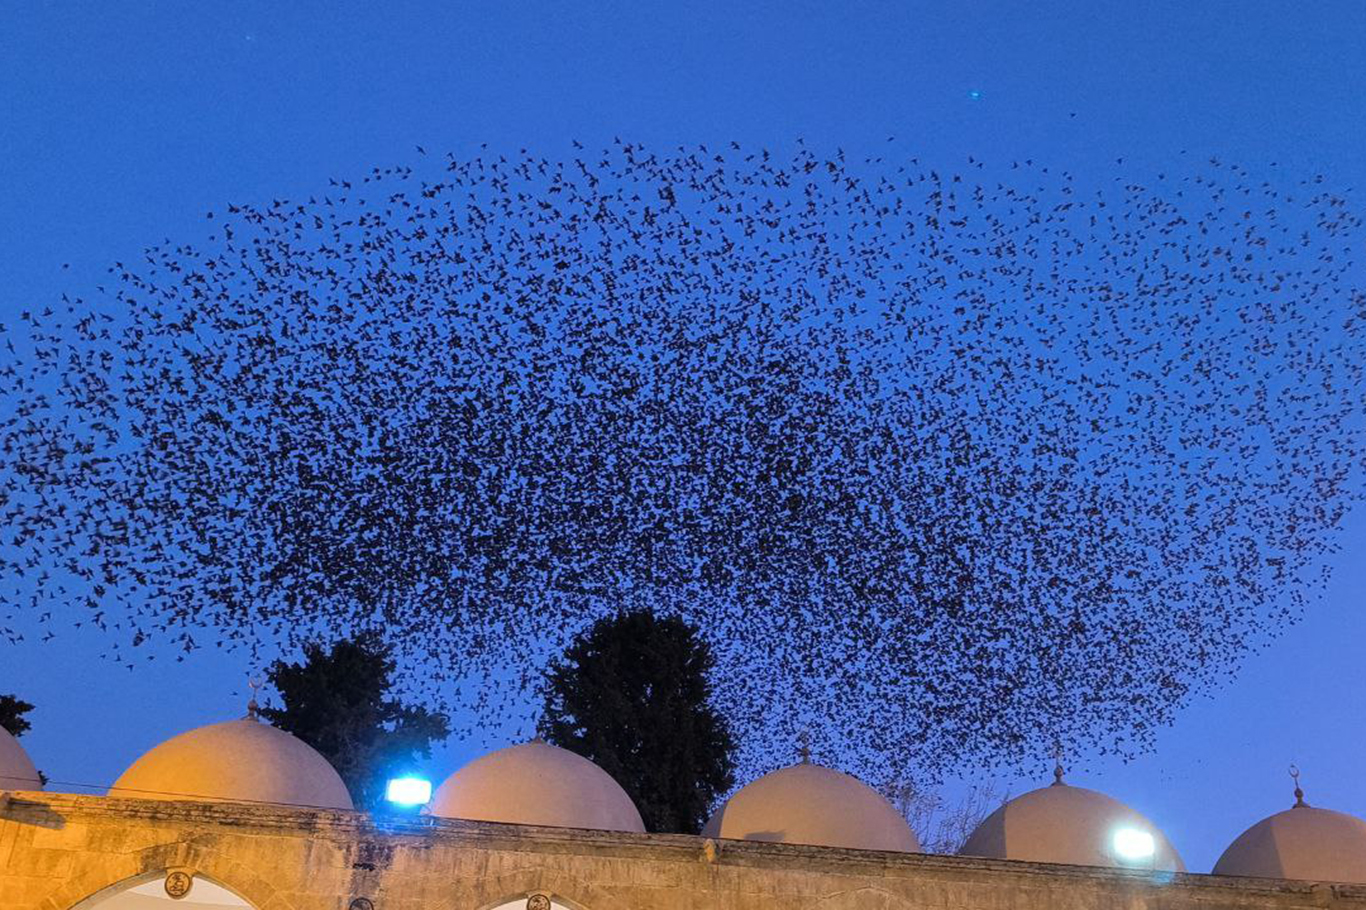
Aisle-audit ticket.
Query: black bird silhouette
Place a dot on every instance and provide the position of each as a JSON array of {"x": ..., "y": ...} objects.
[{"x": 947, "y": 466}]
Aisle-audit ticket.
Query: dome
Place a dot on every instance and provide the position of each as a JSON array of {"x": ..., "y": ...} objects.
[
  {"x": 811, "y": 804},
  {"x": 16, "y": 770},
  {"x": 1302, "y": 843},
  {"x": 242, "y": 760},
  {"x": 537, "y": 784},
  {"x": 1073, "y": 825}
]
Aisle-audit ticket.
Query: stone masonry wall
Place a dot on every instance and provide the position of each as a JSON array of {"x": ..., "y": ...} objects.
[{"x": 57, "y": 851}]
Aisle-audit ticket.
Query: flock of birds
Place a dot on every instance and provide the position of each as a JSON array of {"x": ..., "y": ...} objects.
[{"x": 946, "y": 467}]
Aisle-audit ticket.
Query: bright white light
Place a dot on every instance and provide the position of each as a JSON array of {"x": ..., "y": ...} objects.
[
  {"x": 408, "y": 791},
  {"x": 1133, "y": 844}
]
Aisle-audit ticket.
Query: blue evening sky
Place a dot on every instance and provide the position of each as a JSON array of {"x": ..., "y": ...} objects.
[{"x": 122, "y": 123}]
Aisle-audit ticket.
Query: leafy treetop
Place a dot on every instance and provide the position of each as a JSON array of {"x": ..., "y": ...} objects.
[
  {"x": 339, "y": 701},
  {"x": 632, "y": 694}
]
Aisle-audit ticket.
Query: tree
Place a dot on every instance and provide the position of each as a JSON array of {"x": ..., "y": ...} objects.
[
  {"x": 941, "y": 826},
  {"x": 12, "y": 711},
  {"x": 632, "y": 695},
  {"x": 338, "y": 702}
]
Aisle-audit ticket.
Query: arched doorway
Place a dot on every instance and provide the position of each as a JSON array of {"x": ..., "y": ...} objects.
[
  {"x": 536, "y": 902},
  {"x": 155, "y": 894}
]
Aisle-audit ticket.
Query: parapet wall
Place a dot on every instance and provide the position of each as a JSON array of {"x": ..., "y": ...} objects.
[{"x": 57, "y": 851}]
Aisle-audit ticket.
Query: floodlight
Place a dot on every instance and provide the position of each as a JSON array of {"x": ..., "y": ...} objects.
[
  {"x": 1134, "y": 844},
  {"x": 408, "y": 791}
]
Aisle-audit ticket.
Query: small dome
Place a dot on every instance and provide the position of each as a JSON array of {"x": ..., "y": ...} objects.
[
  {"x": 243, "y": 760},
  {"x": 16, "y": 770},
  {"x": 811, "y": 804},
  {"x": 1302, "y": 843},
  {"x": 1073, "y": 825},
  {"x": 537, "y": 784}
]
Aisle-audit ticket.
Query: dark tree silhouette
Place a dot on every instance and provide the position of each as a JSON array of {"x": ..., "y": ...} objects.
[
  {"x": 947, "y": 466},
  {"x": 12, "y": 711},
  {"x": 340, "y": 702},
  {"x": 632, "y": 694}
]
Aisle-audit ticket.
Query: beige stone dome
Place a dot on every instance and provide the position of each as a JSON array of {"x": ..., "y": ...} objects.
[
  {"x": 1301, "y": 843},
  {"x": 537, "y": 784},
  {"x": 1073, "y": 825},
  {"x": 811, "y": 804},
  {"x": 243, "y": 760},
  {"x": 16, "y": 770}
]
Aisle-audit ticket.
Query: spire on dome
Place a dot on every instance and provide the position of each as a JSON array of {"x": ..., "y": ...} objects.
[
  {"x": 804, "y": 747},
  {"x": 253, "y": 709},
  {"x": 541, "y": 724},
  {"x": 1299, "y": 794},
  {"x": 1057, "y": 766}
]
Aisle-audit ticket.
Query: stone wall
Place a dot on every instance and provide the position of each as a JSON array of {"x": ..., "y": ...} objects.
[{"x": 57, "y": 850}]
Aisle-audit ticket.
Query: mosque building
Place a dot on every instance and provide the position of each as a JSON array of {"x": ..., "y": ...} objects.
[{"x": 240, "y": 815}]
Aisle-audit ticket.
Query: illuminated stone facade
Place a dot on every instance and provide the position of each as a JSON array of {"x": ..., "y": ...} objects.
[{"x": 59, "y": 852}]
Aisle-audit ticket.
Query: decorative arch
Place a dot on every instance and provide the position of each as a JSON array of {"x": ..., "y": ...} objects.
[
  {"x": 564, "y": 890},
  {"x": 130, "y": 870},
  {"x": 523, "y": 903},
  {"x": 202, "y": 892}
]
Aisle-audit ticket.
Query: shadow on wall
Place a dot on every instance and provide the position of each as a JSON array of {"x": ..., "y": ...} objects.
[
  {"x": 29, "y": 812},
  {"x": 773, "y": 837}
]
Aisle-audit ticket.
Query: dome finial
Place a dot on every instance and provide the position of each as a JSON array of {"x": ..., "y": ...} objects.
[
  {"x": 1057, "y": 766},
  {"x": 1299, "y": 794},
  {"x": 253, "y": 709},
  {"x": 804, "y": 747}
]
